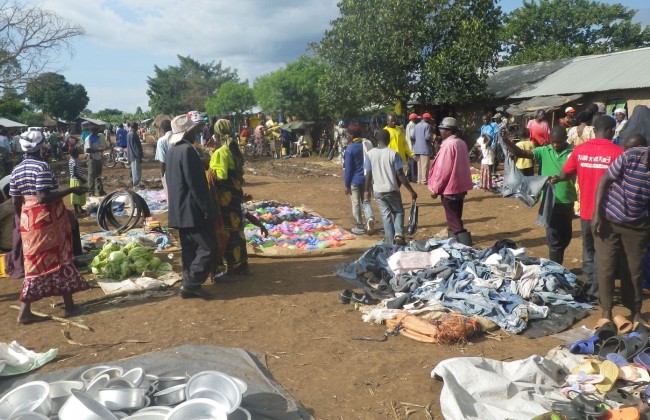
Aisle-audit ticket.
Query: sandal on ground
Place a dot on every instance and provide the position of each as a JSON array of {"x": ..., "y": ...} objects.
[
  {"x": 399, "y": 240},
  {"x": 636, "y": 343},
  {"x": 345, "y": 296},
  {"x": 617, "y": 359},
  {"x": 610, "y": 371},
  {"x": 622, "y": 397},
  {"x": 588, "y": 366},
  {"x": 623, "y": 324},
  {"x": 623, "y": 413},
  {"x": 643, "y": 358},
  {"x": 584, "y": 378},
  {"x": 605, "y": 329},
  {"x": 364, "y": 299},
  {"x": 616, "y": 344},
  {"x": 587, "y": 346},
  {"x": 633, "y": 373}
]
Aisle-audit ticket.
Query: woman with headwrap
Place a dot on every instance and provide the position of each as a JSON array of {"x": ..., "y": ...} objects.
[
  {"x": 227, "y": 167},
  {"x": 45, "y": 231}
]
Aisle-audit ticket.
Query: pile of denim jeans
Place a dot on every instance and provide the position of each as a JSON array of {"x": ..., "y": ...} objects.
[{"x": 499, "y": 283}]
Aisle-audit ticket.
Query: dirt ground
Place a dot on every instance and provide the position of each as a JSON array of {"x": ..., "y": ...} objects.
[{"x": 289, "y": 309}]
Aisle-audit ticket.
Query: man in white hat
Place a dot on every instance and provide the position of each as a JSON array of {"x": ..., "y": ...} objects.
[
  {"x": 191, "y": 209},
  {"x": 450, "y": 178}
]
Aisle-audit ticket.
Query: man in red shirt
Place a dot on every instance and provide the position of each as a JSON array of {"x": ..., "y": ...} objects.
[{"x": 589, "y": 161}]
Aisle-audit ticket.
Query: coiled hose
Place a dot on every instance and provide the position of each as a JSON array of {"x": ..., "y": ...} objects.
[{"x": 126, "y": 198}]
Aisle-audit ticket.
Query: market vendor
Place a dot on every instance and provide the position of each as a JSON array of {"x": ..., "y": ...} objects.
[{"x": 49, "y": 270}]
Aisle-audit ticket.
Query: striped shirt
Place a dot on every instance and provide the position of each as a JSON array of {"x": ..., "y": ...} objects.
[
  {"x": 629, "y": 194},
  {"x": 30, "y": 176},
  {"x": 76, "y": 171}
]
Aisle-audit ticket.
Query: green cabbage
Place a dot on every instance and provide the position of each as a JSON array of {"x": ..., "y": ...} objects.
[
  {"x": 125, "y": 269},
  {"x": 154, "y": 263},
  {"x": 117, "y": 256},
  {"x": 140, "y": 253},
  {"x": 110, "y": 247},
  {"x": 141, "y": 265},
  {"x": 112, "y": 270},
  {"x": 164, "y": 268}
]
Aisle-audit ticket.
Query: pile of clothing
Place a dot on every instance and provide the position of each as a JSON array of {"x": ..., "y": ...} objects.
[
  {"x": 293, "y": 228},
  {"x": 500, "y": 283}
]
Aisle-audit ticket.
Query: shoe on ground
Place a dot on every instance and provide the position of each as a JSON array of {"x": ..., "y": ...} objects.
[
  {"x": 364, "y": 299},
  {"x": 370, "y": 226},
  {"x": 198, "y": 292},
  {"x": 224, "y": 278},
  {"x": 345, "y": 296},
  {"x": 358, "y": 230}
]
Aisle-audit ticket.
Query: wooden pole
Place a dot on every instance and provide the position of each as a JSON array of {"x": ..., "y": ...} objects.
[{"x": 56, "y": 318}]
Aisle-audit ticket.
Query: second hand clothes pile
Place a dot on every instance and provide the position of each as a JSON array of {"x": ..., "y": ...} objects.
[{"x": 500, "y": 283}]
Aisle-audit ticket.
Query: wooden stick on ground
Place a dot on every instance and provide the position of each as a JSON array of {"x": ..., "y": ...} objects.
[{"x": 56, "y": 318}]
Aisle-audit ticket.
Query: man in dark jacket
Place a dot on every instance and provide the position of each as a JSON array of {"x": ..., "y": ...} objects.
[
  {"x": 191, "y": 209},
  {"x": 134, "y": 148},
  {"x": 355, "y": 180}
]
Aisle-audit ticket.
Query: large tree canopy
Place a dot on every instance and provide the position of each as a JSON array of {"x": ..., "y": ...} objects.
[
  {"x": 551, "y": 29},
  {"x": 232, "y": 97},
  {"x": 29, "y": 37},
  {"x": 52, "y": 94},
  {"x": 186, "y": 87},
  {"x": 380, "y": 52},
  {"x": 293, "y": 90}
]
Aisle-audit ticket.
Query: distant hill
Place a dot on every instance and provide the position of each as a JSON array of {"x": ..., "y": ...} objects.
[{"x": 642, "y": 16}]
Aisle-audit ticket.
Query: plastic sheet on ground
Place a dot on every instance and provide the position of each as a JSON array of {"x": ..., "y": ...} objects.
[
  {"x": 16, "y": 359},
  {"x": 156, "y": 200},
  {"x": 486, "y": 389},
  {"x": 135, "y": 284},
  {"x": 293, "y": 231},
  {"x": 265, "y": 398}
]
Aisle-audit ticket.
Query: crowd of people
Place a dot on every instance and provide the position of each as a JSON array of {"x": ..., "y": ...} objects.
[{"x": 599, "y": 171}]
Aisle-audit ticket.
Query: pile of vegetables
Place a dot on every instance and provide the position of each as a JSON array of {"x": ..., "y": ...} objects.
[{"x": 119, "y": 263}]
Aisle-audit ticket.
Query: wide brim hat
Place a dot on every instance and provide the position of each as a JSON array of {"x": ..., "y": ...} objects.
[
  {"x": 448, "y": 123},
  {"x": 181, "y": 124}
]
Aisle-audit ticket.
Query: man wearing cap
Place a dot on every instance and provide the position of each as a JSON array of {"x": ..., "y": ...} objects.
[
  {"x": 398, "y": 139},
  {"x": 569, "y": 120},
  {"x": 410, "y": 129},
  {"x": 354, "y": 181},
  {"x": 450, "y": 178},
  {"x": 422, "y": 140},
  {"x": 191, "y": 209},
  {"x": 621, "y": 119}
]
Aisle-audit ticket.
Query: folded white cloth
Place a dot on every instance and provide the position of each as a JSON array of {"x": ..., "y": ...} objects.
[
  {"x": 405, "y": 261},
  {"x": 18, "y": 359}
]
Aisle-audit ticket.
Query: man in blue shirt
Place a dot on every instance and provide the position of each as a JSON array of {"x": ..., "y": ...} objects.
[
  {"x": 355, "y": 180},
  {"x": 422, "y": 139}
]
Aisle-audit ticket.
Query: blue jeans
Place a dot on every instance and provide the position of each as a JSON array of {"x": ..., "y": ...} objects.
[
  {"x": 358, "y": 200},
  {"x": 136, "y": 173},
  {"x": 392, "y": 214}
]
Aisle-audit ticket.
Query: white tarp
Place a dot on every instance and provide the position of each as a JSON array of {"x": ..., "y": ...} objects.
[{"x": 486, "y": 389}]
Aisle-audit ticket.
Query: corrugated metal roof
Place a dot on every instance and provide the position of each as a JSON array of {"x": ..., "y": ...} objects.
[
  {"x": 10, "y": 124},
  {"x": 596, "y": 73},
  {"x": 93, "y": 121},
  {"x": 509, "y": 80}
]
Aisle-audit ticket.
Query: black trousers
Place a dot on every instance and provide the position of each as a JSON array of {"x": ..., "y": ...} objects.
[
  {"x": 199, "y": 247},
  {"x": 589, "y": 267},
  {"x": 558, "y": 234},
  {"x": 620, "y": 252}
]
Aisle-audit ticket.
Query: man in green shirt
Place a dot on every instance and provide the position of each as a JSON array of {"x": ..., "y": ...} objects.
[{"x": 552, "y": 158}]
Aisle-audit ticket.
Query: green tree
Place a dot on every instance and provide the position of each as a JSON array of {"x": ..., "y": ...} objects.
[
  {"x": 29, "y": 37},
  {"x": 552, "y": 29},
  {"x": 295, "y": 90},
  {"x": 232, "y": 97},
  {"x": 52, "y": 94},
  {"x": 186, "y": 87},
  {"x": 11, "y": 104},
  {"x": 382, "y": 52}
]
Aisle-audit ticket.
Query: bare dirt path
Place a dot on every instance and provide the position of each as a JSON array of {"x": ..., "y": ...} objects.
[{"x": 289, "y": 310}]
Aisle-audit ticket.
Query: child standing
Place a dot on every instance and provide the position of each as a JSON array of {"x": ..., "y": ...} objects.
[
  {"x": 77, "y": 179},
  {"x": 487, "y": 162}
]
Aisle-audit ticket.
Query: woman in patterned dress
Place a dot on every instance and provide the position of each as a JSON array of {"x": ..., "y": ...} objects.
[{"x": 45, "y": 232}]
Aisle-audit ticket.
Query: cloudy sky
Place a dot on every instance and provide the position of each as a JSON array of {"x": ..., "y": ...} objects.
[{"x": 126, "y": 38}]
